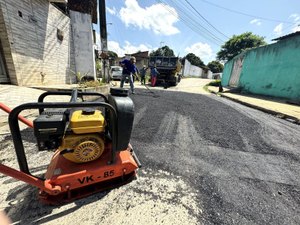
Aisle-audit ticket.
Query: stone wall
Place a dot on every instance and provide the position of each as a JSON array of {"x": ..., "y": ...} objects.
[{"x": 34, "y": 52}]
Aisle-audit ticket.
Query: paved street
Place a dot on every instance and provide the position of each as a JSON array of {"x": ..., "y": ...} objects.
[
  {"x": 206, "y": 160},
  {"x": 243, "y": 163}
]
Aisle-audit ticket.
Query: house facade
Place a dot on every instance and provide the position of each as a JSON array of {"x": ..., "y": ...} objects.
[
  {"x": 271, "y": 70},
  {"x": 37, "y": 43}
]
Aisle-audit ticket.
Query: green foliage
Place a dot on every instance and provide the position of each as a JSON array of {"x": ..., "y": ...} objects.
[
  {"x": 215, "y": 83},
  {"x": 215, "y": 67},
  {"x": 163, "y": 51},
  {"x": 93, "y": 83},
  {"x": 112, "y": 55},
  {"x": 239, "y": 43},
  {"x": 98, "y": 65},
  {"x": 194, "y": 60}
]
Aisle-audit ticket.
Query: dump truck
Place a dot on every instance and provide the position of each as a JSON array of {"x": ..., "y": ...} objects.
[{"x": 168, "y": 68}]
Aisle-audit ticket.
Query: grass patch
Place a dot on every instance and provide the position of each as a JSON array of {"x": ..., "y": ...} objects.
[
  {"x": 93, "y": 83},
  {"x": 215, "y": 83}
]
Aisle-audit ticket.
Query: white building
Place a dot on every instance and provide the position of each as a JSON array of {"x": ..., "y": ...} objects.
[{"x": 42, "y": 43}]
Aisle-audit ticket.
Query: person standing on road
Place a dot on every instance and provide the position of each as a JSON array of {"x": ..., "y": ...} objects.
[
  {"x": 143, "y": 75},
  {"x": 129, "y": 69},
  {"x": 154, "y": 74}
]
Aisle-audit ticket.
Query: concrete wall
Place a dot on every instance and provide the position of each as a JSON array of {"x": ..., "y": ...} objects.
[
  {"x": 272, "y": 70},
  {"x": 209, "y": 74},
  {"x": 227, "y": 72},
  {"x": 33, "y": 53},
  {"x": 191, "y": 70},
  {"x": 83, "y": 43}
]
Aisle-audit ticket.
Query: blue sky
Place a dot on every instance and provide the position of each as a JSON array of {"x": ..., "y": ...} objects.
[{"x": 194, "y": 26}]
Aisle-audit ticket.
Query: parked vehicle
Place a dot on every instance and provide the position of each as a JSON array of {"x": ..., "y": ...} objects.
[
  {"x": 168, "y": 68},
  {"x": 115, "y": 72}
]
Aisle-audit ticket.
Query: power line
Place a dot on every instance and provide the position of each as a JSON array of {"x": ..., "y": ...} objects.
[
  {"x": 199, "y": 29},
  {"x": 246, "y": 14},
  {"x": 195, "y": 29},
  {"x": 192, "y": 24},
  {"x": 205, "y": 19}
]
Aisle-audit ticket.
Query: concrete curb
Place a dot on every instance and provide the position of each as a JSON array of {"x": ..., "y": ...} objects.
[{"x": 269, "y": 111}]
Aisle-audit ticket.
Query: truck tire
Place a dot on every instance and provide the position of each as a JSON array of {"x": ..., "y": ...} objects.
[{"x": 174, "y": 82}]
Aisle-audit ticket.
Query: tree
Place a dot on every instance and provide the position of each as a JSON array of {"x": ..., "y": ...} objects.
[
  {"x": 239, "y": 43},
  {"x": 112, "y": 56},
  {"x": 194, "y": 60},
  {"x": 215, "y": 67},
  {"x": 163, "y": 51}
]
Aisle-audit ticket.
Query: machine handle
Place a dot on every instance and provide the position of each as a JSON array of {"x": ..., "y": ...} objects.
[
  {"x": 70, "y": 93},
  {"x": 16, "y": 133}
]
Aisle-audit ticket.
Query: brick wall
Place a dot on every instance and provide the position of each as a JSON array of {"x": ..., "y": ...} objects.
[{"x": 33, "y": 53}]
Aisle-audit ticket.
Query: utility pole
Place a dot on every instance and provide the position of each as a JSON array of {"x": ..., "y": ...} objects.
[{"x": 103, "y": 38}]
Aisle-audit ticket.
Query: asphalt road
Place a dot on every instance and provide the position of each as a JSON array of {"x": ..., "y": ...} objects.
[
  {"x": 244, "y": 164},
  {"x": 206, "y": 160}
]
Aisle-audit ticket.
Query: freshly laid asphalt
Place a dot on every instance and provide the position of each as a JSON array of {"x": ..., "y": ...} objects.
[{"x": 206, "y": 160}]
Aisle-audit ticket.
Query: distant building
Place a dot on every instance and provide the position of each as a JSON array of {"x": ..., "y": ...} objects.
[
  {"x": 46, "y": 41},
  {"x": 142, "y": 58}
]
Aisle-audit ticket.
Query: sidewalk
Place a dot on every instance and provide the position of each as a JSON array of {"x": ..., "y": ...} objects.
[{"x": 274, "y": 106}]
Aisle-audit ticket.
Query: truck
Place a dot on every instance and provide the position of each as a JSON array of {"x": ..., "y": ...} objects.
[{"x": 168, "y": 68}]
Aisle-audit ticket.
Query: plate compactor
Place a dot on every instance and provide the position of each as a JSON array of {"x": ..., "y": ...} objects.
[{"x": 90, "y": 140}]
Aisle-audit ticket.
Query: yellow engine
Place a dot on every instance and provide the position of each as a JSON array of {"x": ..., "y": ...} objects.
[{"x": 84, "y": 141}]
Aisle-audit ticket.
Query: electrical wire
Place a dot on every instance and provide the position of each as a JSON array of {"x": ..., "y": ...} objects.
[
  {"x": 188, "y": 20},
  {"x": 192, "y": 24},
  {"x": 205, "y": 19},
  {"x": 246, "y": 14}
]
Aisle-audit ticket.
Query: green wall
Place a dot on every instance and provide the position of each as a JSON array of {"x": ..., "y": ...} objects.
[
  {"x": 227, "y": 72},
  {"x": 272, "y": 70}
]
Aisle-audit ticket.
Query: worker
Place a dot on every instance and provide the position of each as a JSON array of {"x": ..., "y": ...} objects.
[
  {"x": 129, "y": 69},
  {"x": 143, "y": 74},
  {"x": 154, "y": 74}
]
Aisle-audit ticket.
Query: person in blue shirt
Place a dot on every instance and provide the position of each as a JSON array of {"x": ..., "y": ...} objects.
[
  {"x": 129, "y": 69},
  {"x": 143, "y": 74},
  {"x": 153, "y": 74}
]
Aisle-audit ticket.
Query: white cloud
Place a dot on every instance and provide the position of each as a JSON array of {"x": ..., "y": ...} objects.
[
  {"x": 256, "y": 22},
  {"x": 128, "y": 48},
  {"x": 159, "y": 18},
  {"x": 296, "y": 28},
  {"x": 295, "y": 17},
  {"x": 112, "y": 11},
  {"x": 278, "y": 29},
  {"x": 202, "y": 50}
]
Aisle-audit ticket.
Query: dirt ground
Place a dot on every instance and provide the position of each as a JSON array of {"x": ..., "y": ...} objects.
[{"x": 155, "y": 197}]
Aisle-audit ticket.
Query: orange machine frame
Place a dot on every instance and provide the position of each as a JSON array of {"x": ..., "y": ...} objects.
[{"x": 65, "y": 180}]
